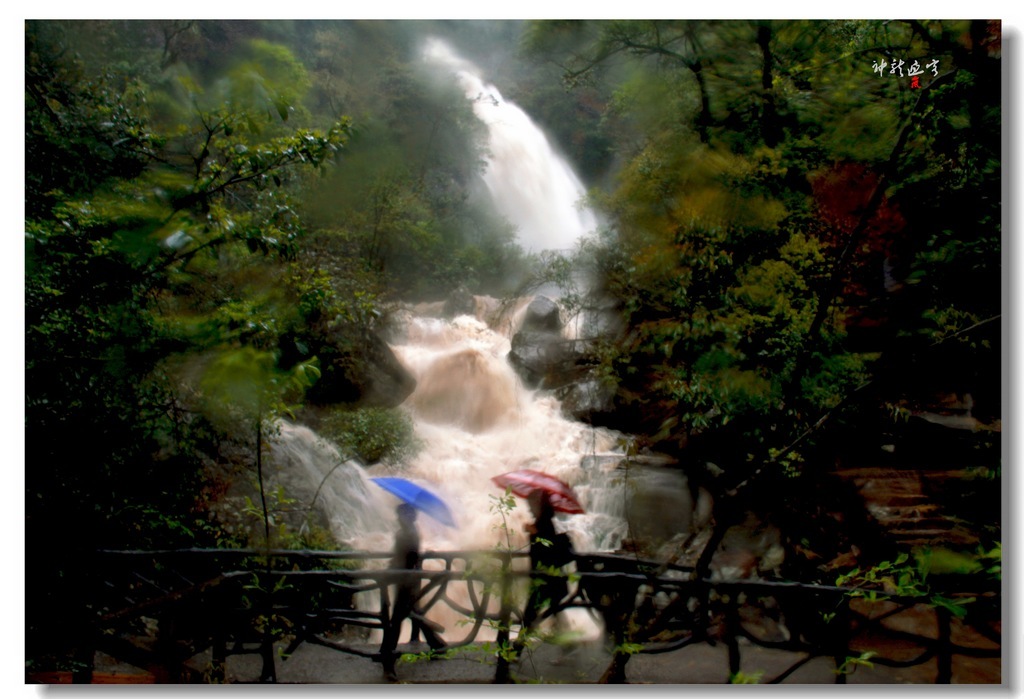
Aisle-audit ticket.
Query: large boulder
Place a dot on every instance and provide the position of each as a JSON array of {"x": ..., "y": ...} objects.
[
  {"x": 541, "y": 356},
  {"x": 380, "y": 378},
  {"x": 661, "y": 505},
  {"x": 356, "y": 367},
  {"x": 542, "y": 315},
  {"x": 546, "y": 359}
]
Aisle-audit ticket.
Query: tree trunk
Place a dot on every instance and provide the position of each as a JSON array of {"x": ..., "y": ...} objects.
[
  {"x": 704, "y": 119},
  {"x": 770, "y": 131}
]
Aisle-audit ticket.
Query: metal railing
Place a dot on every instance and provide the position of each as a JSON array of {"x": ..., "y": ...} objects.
[{"x": 158, "y": 609}]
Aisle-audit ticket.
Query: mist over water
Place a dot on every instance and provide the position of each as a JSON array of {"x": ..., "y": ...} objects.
[{"x": 530, "y": 183}]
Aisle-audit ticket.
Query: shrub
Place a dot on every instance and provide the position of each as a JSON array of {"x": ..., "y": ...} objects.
[{"x": 373, "y": 434}]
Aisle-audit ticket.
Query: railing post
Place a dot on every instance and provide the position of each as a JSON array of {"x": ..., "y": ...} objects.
[
  {"x": 619, "y": 609},
  {"x": 219, "y": 657},
  {"x": 840, "y": 643},
  {"x": 220, "y": 600},
  {"x": 269, "y": 672},
  {"x": 85, "y": 658},
  {"x": 502, "y": 673},
  {"x": 944, "y": 656},
  {"x": 732, "y": 632},
  {"x": 166, "y": 645},
  {"x": 85, "y": 620}
]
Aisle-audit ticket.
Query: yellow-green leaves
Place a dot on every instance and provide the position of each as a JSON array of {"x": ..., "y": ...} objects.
[{"x": 246, "y": 382}]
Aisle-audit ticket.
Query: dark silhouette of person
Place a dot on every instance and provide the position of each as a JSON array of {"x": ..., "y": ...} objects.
[
  {"x": 406, "y": 556},
  {"x": 549, "y": 551}
]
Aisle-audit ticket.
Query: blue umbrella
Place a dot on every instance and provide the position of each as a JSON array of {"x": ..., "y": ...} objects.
[{"x": 419, "y": 497}]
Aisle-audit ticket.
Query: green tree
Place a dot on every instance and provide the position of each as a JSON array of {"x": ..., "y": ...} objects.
[
  {"x": 146, "y": 244},
  {"x": 783, "y": 222},
  {"x": 246, "y": 383}
]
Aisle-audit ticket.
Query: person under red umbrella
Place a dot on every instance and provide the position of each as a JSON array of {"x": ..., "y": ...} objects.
[
  {"x": 549, "y": 549},
  {"x": 549, "y": 552}
]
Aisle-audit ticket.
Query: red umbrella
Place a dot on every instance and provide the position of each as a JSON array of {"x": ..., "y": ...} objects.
[{"x": 525, "y": 481}]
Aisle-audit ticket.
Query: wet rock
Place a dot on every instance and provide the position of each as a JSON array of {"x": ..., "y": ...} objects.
[
  {"x": 545, "y": 359},
  {"x": 358, "y": 368},
  {"x": 660, "y": 504},
  {"x": 589, "y": 400},
  {"x": 383, "y": 381},
  {"x": 542, "y": 315},
  {"x": 541, "y": 356},
  {"x": 752, "y": 549},
  {"x": 393, "y": 327}
]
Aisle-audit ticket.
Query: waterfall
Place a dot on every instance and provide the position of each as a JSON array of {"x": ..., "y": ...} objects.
[
  {"x": 473, "y": 416},
  {"x": 477, "y": 420},
  {"x": 530, "y": 184},
  {"x": 315, "y": 475}
]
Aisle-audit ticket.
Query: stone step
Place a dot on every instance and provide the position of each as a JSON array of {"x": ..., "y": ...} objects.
[{"x": 901, "y": 501}]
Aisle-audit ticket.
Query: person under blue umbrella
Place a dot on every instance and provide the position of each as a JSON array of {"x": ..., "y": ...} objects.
[{"x": 406, "y": 556}]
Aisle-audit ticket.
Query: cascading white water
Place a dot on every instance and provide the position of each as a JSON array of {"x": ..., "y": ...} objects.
[
  {"x": 476, "y": 420},
  {"x": 529, "y": 182},
  {"x": 315, "y": 476}
]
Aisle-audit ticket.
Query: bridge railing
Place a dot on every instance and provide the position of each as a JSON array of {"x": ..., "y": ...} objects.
[{"x": 158, "y": 609}]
